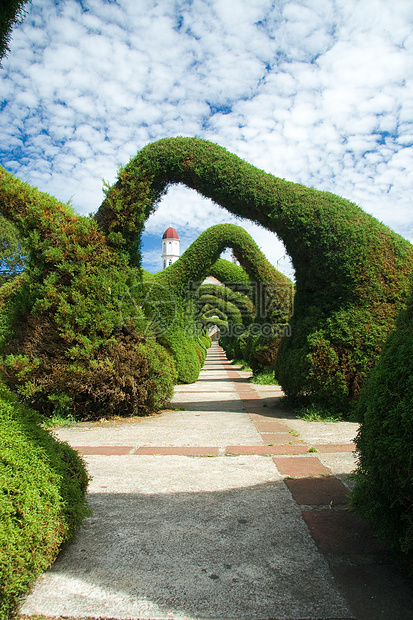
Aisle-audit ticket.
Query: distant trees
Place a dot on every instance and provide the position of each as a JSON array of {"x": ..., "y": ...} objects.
[{"x": 11, "y": 12}]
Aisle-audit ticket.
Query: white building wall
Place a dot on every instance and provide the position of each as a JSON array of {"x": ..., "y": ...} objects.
[{"x": 170, "y": 252}]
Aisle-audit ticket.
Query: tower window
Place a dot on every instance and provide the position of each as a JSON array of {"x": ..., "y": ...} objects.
[
  {"x": 164, "y": 264},
  {"x": 170, "y": 262}
]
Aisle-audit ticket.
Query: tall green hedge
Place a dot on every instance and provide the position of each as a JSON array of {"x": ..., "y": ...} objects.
[
  {"x": 42, "y": 499},
  {"x": 70, "y": 334},
  {"x": 241, "y": 335},
  {"x": 351, "y": 270},
  {"x": 243, "y": 301},
  {"x": 384, "y": 476}
]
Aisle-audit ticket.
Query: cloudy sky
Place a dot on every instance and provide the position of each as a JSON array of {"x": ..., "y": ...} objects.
[{"x": 314, "y": 91}]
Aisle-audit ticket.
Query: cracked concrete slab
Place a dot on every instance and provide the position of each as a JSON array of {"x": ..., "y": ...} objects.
[{"x": 183, "y": 538}]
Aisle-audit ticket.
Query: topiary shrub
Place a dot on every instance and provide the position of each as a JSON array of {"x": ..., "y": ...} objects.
[
  {"x": 206, "y": 340},
  {"x": 128, "y": 376},
  {"x": 384, "y": 477},
  {"x": 71, "y": 336},
  {"x": 171, "y": 297},
  {"x": 347, "y": 263},
  {"x": 351, "y": 270},
  {"x": 42, "y": 499},
  {"x": 230, "y": 273},
  {"x": 261, "y": 294}
]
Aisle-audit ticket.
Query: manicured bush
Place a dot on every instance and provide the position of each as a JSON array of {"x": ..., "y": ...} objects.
[
  {"x": 249, "y": 337},
  {"x": 231, "y": 274},
  {"x": 127, "y": 377},
  {"x": 351, "y": 271},
  {"x": 71, "y": 336},
  {"x": 384, "y": 477},
  {"x": 205, "y": 340},
  {"x": 349, "y": 267},
  {"x": 42, "y": 499},
  {"x": 224, "y": 293}
]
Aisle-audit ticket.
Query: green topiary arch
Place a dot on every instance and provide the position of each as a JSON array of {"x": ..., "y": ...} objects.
[
  {"x": 351, "y": 270},
  {"x": 168, "y": 297}
]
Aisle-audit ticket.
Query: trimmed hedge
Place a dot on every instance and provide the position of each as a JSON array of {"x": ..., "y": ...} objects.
[
  {"x": 384, "y": 477},
  {"x": 237, "y": 314},
  {"x": 351, "y": 270},
  {"x": 225, "y": 271},
  {"x": 42, "y": 499},
  {"x": 71, "y": 336}
]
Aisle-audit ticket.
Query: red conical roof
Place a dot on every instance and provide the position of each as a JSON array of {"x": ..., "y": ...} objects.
[{"x": 170, "y": 233}]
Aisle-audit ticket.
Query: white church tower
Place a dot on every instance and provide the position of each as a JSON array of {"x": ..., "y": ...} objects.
[{"x": 170, "y": 247}]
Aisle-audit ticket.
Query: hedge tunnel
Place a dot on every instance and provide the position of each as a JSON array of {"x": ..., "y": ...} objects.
[
  {"x": 169, "y": 297},
  {"x": 64, "y": 342},
  {"x": 351, "y": 270},
  {"x": 73, "y": 335}
]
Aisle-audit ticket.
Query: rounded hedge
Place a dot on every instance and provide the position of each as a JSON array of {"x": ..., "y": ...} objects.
[
  {"x": 170, "y": 297},
  {"x": 351, "y": 270},
  {"x": 42, "y": 499},
  {"x": 384, "y": 477},
  {"x": 71, "y": 336}
]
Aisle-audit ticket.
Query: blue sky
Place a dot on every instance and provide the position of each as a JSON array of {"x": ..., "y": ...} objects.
[{"x": 318, "y": 92}]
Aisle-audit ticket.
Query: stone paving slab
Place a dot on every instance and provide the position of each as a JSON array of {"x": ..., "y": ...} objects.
[
  {"x": 324, "y": 432},
  {"x": 208, "y": 401},
  {"x": 318, "y": 491},
  {"x": 171, "y": 428},
  {"x": 266, "y": 450},
  {"x": 343, "y": 532},
  {"x": 180, "y": 451},
  {"x": 181, "y": 538},
  {"x": 340, "y": 464},
  {"x": 301, "y": 466},
  {"x": 375, "y": 590}
]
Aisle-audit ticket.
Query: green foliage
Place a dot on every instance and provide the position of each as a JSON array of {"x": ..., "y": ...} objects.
[
  {"x": 227, "y": 293},
  {"x": 205, "y": 340},
  {"x": 352, "y": 271},
  {"x": 71, "y": 336},
  {"x": 11, "y": 13},
  {"x": 316, "y": 413},
  {"x": 173, "y": 303},
  {"x": 42, "y": 499},
  {"x": 384, "y": 477},
  {"x": 225, "y": 271},
  {"x": 347, "y": 264},
  {"x": 264, "y": 378}
]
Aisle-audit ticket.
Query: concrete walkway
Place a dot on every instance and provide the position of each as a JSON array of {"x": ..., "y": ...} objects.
[{"x": 225, "y": 508}]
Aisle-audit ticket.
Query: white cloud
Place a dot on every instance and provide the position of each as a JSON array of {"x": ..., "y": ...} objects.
[{"x": 314, "y": 91}]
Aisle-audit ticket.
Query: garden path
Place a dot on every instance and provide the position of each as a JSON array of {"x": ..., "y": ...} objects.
[{"x": 225, "y": 507}]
